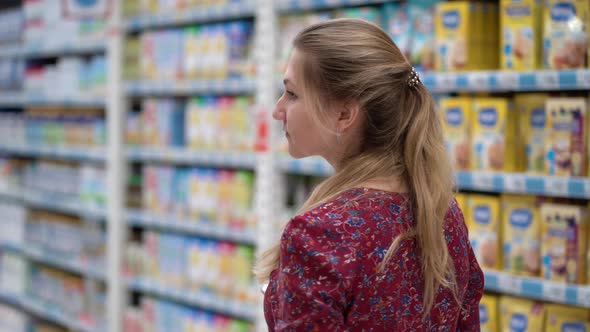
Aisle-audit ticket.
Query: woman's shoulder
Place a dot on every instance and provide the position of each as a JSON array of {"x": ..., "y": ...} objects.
[{"x": 353, "y": 211}]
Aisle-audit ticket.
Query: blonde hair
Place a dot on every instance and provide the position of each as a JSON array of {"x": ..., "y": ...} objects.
[{"x": 353, "y": 60}]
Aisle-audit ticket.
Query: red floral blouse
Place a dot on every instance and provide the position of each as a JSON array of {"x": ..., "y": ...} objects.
[{"x": 328, "y": 276}]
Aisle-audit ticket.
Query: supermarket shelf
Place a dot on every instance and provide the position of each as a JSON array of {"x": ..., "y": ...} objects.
[
  {"x": 10, "y": 299},
  {"x": 19, "y": 99},
  {"x": 245, "y": 9},
  {"x": 189, "y": 227},
  {"x": 517, "y": 183},
  {"x": 554, "y": 186},
  {"x": 194, "y": 157},
  {"x": 11, "y": 247},
  {"x": 43, "y": 50},
  {"x": 54, "y": 202},
  {"x": 47, "y": 312},
  {"x": 80, "y": 268},
  {"x": 80, "y": 153},
  {"x": 535, "y": 288},
  {"x": 197, "y": 87},
  {"x": 204, "y": 300},
  {"x": 490, "y": 81},
  {"x": 289, "y": 6}
]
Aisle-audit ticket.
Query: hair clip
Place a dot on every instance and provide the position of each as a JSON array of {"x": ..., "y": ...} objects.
[{"x": 414, "y": 78}]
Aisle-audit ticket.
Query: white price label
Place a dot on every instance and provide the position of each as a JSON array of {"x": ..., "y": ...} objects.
[
  {"x": 510, "y": 284},
  {"x": 583, "y": 78},
  {"x": 587, "y": 189},
  {"x": 548, "y": 80},
  {"x": 515, "y": 183},
  {"x": 478, "y": 81},
  {"x": 483, "y": 180},
  {"x": 446, "y": 82},
  {"x": 508, "y": 81},
  {"x": 556, "y": 186},
  {"x": 554, "y": 292},
  {"x": 584, "y": 296}
]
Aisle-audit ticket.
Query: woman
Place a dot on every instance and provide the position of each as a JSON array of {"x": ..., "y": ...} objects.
[{"x": 381, "y": 245}]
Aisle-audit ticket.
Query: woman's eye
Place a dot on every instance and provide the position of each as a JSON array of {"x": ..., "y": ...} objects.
[{"x": 290, "y": 94}]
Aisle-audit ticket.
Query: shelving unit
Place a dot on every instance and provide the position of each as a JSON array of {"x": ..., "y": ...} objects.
[
  {"x": 46, "y": 312},
  {"x": 268, "y": 164},
  {"x": 243, "y": 160},
  {"x": 204, "y": 300}
]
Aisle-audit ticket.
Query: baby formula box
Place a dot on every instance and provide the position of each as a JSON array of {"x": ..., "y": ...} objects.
[
  {"x": 484, "y": 229},
  {"x": 566, "y": 35},
  {"x": 521, "y": 228},
  {"x": 488, "y": 313},
  {"x": 566, "y": 136},
  {"x": 493, "y": 136},
  {"x": 521, "y": 34},
  {"x": 532, "y": 122},
  {"x": 457, "y": 36},
  {"x": 560, "y": 318},
  {"x": 563, "y": 242},
  {"x": 455, "y": 114},
  {"x": 520, "y": 315}
]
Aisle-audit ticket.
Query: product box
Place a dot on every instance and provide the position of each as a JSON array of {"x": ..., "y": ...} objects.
[
  {"x": 457, "y": 36},
  {"x": 565, "y": 145},
  {"x": 532, "y": 132},
  {"x": 462, "y": 200},
  {"x": 522, "y": 34},
  {"x": 563, "y": 243},
  {"x": 493, "y": 135},
  {"x": 421, "y": 14},
  {"x": 488, "y": 313},
  {"x": 559, "y": 318},
  {"x": 485, "y": 229},
  {"x": 520, "y": 315},
  {"x": 399, "y": 25},
  {"x": 566, "y": 34},
  {"x": 456, "y": 115},
  {"x": 521, "y": 229}
]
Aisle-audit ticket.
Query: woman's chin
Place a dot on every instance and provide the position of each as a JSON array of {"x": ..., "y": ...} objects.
[{"x": 294, "y": 153}]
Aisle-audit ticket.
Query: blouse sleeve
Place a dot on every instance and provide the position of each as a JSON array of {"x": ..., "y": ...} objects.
[
  {"x": 469, "y": 320},
  {"x": 310, "y": 282}
]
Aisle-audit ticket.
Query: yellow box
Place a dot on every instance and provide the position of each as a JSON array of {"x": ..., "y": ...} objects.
[
  {"x": 560, "y": 318},
  {"x": 532, "y": 134},
  {"x": 484, "y": 229},
  {"x": 493, "y": 135},
  {"x": 521, "y": 34},
  {"x": 520, "y": 315},
  {"x": 461, "y": 199},
  {"x": 563, "y": 243},
  {"x": 565, "y": 146},
  {"x": 566, "y": 34},
  {"x": 456, "y": 36},
  {"x": 521, "y": 229},
  {"x": 488, "y": 313},
  {"x": 456, "y": 114}
]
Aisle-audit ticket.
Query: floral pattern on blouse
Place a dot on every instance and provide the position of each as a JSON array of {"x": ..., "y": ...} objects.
[{"x": 328, "y": 278}]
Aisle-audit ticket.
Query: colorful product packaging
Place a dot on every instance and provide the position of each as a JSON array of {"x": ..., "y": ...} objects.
[
  {"x": 488, "y": 313},
  {"x": 532, "y": 131},
  {"x": 422, "y": 51},
  {"x": 566, "y": 34},
  {"x": 521, "y": 34},
  {"x": 459, "y": 36},
  {"x": 493, "y": 135},
  {"x": 564, "y": 236},
  {"x": 565, "y": 146},
  {"x": 456, "y": 115},
  {"x": 521, "y": 228},
  {"x": 559, "y": 318},
  {"x": 520, "y": 315},
  {"x": 485, "y": 230}
]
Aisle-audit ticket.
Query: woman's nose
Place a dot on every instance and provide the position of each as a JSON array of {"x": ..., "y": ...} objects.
[{"x": 279, "y": 112}]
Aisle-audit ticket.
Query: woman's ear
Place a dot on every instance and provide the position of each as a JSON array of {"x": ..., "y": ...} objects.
[{"x": 348, "y": 115}]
